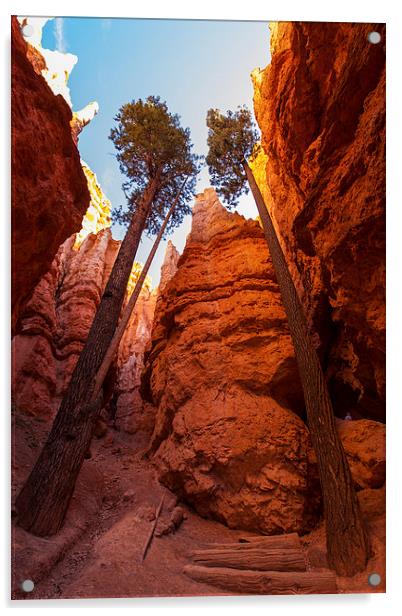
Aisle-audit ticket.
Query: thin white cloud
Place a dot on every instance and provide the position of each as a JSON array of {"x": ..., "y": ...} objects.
[
  {"x": 59, "y": 34},
  {"x": 108, "y": 178},
  {"x": 106, "y": 24}
]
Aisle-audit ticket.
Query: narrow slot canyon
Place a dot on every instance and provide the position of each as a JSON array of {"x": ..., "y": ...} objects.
[{"x": 203, "y": 402}]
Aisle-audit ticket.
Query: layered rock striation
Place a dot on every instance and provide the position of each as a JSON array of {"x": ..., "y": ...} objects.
[
  {"x": 222, "y": 373},
  {"x": 56, "y": 322},
  {"x": 320, "y": 105},
  {"x": 229, "y": 437},
  {"x": 48, "y": 189}
]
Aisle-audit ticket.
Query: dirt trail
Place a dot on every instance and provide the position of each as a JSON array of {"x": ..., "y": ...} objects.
[
  {"x": 106, "y": 560},
  {"x": 98, "y": 552}
]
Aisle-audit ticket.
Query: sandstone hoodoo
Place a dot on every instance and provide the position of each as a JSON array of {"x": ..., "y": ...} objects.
[
  {"x": 55, "y": 323},
  {"x": 223, "y": 432},
  {"x": 223, "y": 376},
  {"x": 133, "y": 414}
]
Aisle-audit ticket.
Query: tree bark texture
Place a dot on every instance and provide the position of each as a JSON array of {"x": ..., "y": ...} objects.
[
  {"x": 348, "y": 547},
  {"x": 289, "y": 541},
  {"x": 259, "y": 558},
  {"x": 265, "y": 582},
  {"x": 42, "y": 504},
  {"x": 110, "y": 353}
]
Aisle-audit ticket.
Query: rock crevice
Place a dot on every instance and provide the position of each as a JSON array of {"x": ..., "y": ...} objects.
[{"x": 321, "y": 169}]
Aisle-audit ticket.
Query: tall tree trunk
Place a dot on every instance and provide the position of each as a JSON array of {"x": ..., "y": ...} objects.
[
  {"x": 42, "y": 504},
  {"x": 118, "y": 334},
  {"x": 348, "y": 548}
]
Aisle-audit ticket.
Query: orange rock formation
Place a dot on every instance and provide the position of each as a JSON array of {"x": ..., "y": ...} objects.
[
  {"x": 222, "y": 373},
  {"x": 320, "y": 108},
  {"x": 49, "y": 190},
  {"x": 57, "y": 318},
  {"x": 220, "y": 400},
  {"x": 98, "y": 214}
]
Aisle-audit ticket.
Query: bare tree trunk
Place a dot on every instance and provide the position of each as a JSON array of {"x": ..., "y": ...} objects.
[
  {"x": 42, "y": 504},
  {"x": 107, "y": 360},
  {"x": 348, "y": 547}
]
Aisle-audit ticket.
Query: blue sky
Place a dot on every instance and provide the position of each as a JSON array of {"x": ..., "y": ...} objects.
[{"x": 193, "y": 65}]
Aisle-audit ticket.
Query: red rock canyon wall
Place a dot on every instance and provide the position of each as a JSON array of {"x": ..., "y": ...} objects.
[
  {"x": 321, "y": 109},
  {"x": 55, "y": 325},
  {"x": 48, "y": 189},
  {"x": 218, "y": 396},
  {"x": 228, "y": 437}
]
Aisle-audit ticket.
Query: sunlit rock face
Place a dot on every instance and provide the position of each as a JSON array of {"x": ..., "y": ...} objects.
[
  {"x": 82, "y": 118},
  {"x": 169, "y": 265},
  {"x": 133, "y": 414},
  {"x": 98, "y": 214},
  {"x": 49, "y": 189},
  {"x": 55, "y": 66},
  {"x": 56, "y": 322},
  {"x": 222, "y": 374},
  {"x": 320, "y": 107}
]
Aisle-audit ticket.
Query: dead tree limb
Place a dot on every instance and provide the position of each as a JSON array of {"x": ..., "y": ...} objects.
[{"x": 152, "y": 531}]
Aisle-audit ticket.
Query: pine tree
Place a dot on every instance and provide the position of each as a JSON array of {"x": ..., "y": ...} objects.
[
  {"x": 231, "y": 139},
  {"x": 128, "y": 310},
  {"x": 155, "y": 154}
]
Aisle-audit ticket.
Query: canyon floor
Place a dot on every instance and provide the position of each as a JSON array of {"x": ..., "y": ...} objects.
[
  {"x": 98, "y": 553},
  {"x": 122, "y": 493}
]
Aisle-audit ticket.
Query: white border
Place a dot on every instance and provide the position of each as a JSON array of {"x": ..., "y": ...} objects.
[{"x": 283, "y": 10}]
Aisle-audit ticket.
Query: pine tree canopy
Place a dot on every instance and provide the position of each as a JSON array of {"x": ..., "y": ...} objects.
[
  {"x": 231, "y": 139},
  {"x": 151, "y": 144}
]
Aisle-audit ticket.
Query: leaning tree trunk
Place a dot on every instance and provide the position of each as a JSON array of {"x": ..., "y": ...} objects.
[
  {"x": 348, "y": 548},
  {"x": 118, "y": 334},
  {"x": 42, "y": 504}
]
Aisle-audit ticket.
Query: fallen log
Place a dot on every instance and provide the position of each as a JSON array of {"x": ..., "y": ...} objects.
[
  {"x": 265, "y": 582},
  {"x": 291, "y": 540},
  {"x": 274, "y": 541},
  {"x": 257, "y": 558}
]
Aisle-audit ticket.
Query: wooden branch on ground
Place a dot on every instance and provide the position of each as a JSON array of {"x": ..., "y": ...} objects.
[
  {"x": 257, "y": 558},
  {"x": 151, "y": 532},
  {"x": 265, "y": 583}
]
